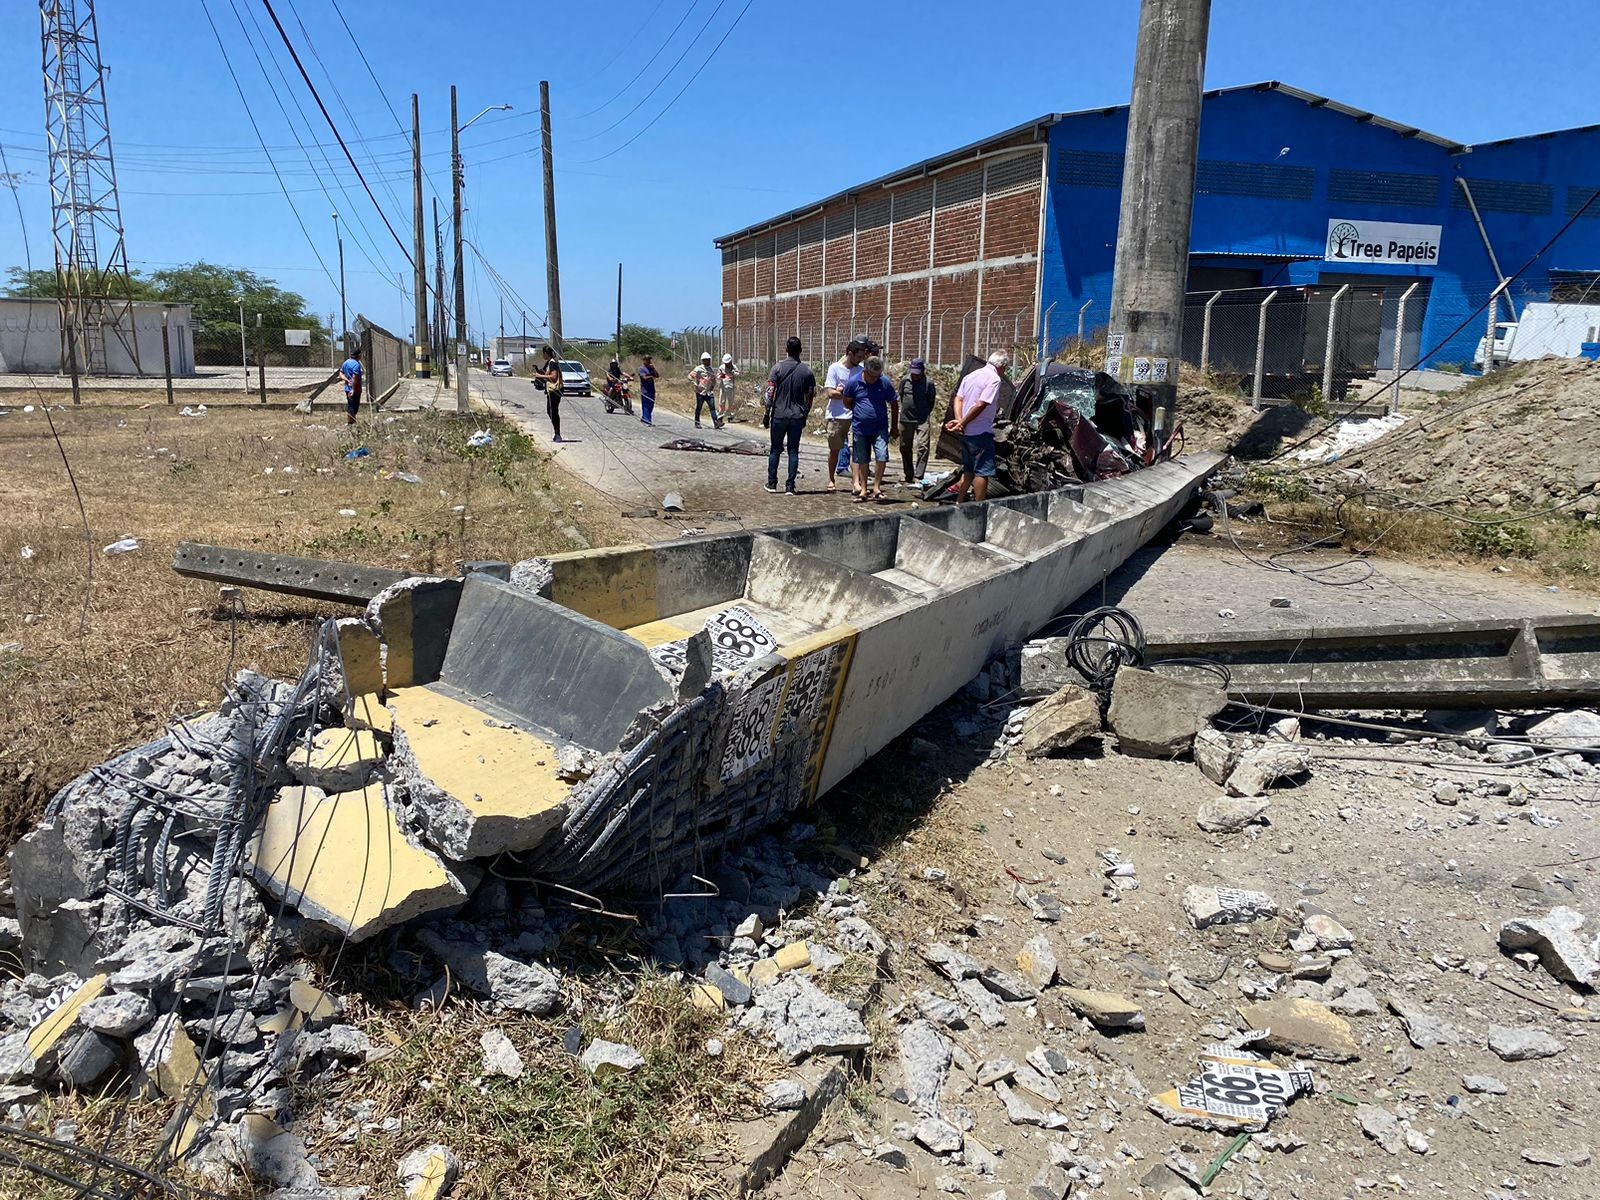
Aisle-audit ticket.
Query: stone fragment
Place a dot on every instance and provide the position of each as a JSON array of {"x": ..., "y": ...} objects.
[
  {"x": 1105, "y": 1010},
  {"x": 1263, "y": 766},
  {"x": 87, "y": 1059},
  {"x": 982, "y": 1002},
  {"x": 804, "y": 1020},
  {"x": 1519, "y": 1044},
  {"x": 925, "y": 1064},
  {"x": 167, "y": 1057},
  {"x": 783, "y": 1095},
  {"x": 311, "y": 1002},
  {"x": 891, "y": 1156},
  {"x": 1463, "y": 722},
  {"x": 1486, "y": 1085},
  {"x": 1230, "y": 814},
  {"x": 1382, "y": 1126},
  {"x": 346, "y": 862},
  {"x": 763, "y": 973},
  {"x": 360, "y": 657},
  {"x": 1060, "y": 721},
  {"x": 1214, "y": 754},
  {"x": 792, "y": 957},
  {"x": 940, "y": 1010},
  {"x": 951, "y": 963},
  {"x": 500, "y": 1055},
  {"x": 751, "y": 927},
  {"x": 707, "y": 997},
  {"x": 429, "y": 1173},
  {"x": 1555, "y": 939},
  {"x": 996, "y": 1070},
  {"x": 1051, "y": 1183},
  {"x": 1158, "y": 716},
  {"x": 1037, "y": 961},
  {"x": 734, "y": 990},
  {"x": 1576, "y": 729},
  {"x": 120, "y": 1015},
  {"x": 1356, "y": 1002},
  {"x": 525, "y": 986},
  {"x": 1547, "y": 1156},
  {"x": 1304, "y": 1028},
  {"x": 937, "y": 1136},
  {"x": 1030, "y": 1080},
  {"x": 1020, "y": 1112},
  {"x": 1423, "y": 1028},
  {"x": 603, "y": 1059},
  {"x": 1329, "y": 933},
  {"x": 1008, "y": 987},
  {"x": 336, "y": 759},
  {"x": 16, "y": 1060},
  {"x": 1206, "y": 905}
]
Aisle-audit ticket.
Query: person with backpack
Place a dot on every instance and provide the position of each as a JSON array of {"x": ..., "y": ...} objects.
[{"x": 791, "y": 388}]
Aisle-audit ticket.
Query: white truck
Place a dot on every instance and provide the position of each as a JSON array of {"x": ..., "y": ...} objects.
[{"x": 1545, "y": 329}]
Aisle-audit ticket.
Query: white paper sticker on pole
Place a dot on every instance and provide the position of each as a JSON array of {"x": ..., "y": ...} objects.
[
  {"x": 1114, "y": 366},
  {"x": 1114, "y": 345},
  {"x": 1141, "y": 370},
  {"x": 1158, "y": 370}
]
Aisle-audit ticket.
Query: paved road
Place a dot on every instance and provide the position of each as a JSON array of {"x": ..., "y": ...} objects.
[{"x": 622, "y": 457}]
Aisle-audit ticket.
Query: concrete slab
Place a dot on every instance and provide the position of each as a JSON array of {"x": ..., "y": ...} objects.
[
  {"x": 345, "y": 862},
  {"x": 478, "y": 785},
  {"x": 336, "y": 759},
  {"x": 414, "y": 618}
]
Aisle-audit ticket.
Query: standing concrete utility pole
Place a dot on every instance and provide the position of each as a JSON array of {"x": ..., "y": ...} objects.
[
  {"x": 424, "y": 368},
  {"x": 244, "y": 358},
  {"x": 440, "y": 324},
  {"x": 455, "y": 189},
  {"x": 551, "y": 265},
  {"x": 1145, "y": 342},
  {"x": 344, "y": 327},
  {"x": 619, "y": 314}
]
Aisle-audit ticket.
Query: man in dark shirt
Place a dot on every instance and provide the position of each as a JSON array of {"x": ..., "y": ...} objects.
[
  {"x": 647, "y": 389},
  {"x": 874, "y": 419},
  {"x": 918, "y": 394},
  {"x": 791, "y": 387}
]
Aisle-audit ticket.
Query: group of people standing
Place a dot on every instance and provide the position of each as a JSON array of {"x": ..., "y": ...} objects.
[{"x": 866, "y": 412}]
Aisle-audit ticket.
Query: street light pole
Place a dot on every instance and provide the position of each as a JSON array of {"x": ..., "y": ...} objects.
[
  {"x": 344, "y": 325},
  {"x": 456, "y": 184}
]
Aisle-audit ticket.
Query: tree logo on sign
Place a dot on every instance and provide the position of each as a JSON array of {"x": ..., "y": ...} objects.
[{"x": 1339, "y": 237}]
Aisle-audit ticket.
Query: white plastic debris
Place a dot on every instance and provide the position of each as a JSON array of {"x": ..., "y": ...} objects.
[
  {"x": 1227, "y": 614},
  {"x": 125, "y": 545},
  {"x": 1235, "y": 1092},
  {"x": 347, "y": 512},
  {"x": 198, "y": 411},
  {"x": 27, "y": 553},
  {"x": 480, "y": 438}
]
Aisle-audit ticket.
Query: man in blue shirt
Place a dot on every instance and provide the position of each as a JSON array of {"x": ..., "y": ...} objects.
[
  {"x": 353, "y": 379},
  {"x": 874, "y": 406},
  {"x": 647, "y": 389}
]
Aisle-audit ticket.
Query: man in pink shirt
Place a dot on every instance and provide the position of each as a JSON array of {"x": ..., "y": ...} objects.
[{"x": 976, "y": 401}]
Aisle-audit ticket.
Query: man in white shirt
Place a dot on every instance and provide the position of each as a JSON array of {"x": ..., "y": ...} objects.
[{"x": 839, "y": 376}]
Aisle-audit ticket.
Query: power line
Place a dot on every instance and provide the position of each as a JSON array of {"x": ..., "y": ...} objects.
[
  {"x": 637, "y": 29},
  {"x": 282, "y": 33},
  {"x": 703, "y": 65},
  {"x": 665, "y": 42},
  {"x": 665, "y": 75}
]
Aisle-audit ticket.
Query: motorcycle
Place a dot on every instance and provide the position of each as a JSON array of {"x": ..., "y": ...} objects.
[{"x": 615, "y": 395}]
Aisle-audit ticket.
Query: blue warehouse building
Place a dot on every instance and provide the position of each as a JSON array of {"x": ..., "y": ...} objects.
[{"x": 1291, "y": 189}]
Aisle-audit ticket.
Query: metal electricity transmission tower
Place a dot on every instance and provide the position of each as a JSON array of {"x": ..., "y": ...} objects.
[{"x": 94, "y": 290}]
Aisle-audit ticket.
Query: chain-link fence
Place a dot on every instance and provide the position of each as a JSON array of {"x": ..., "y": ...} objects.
[
  {"x": 386, "y": 359},
  {"x": 1297, "y": 343},
  {"x": 941, "y": 338}
]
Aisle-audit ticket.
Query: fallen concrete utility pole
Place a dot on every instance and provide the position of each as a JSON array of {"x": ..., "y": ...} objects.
[
  {"x": 317, "y": 578},
  {"x": 1507, "y": 663}
]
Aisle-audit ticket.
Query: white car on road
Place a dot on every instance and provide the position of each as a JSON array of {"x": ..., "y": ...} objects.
[
  {"x": 574, "y": 378},
  {"x": 500, "y": 366}
]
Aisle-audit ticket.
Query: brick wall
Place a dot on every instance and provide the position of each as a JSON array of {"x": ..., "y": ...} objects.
[{"x": 964, "y": 238}]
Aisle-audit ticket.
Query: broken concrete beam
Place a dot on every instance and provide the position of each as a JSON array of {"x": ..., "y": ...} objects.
[
  {"x": 345, "y": 862},
  {"x": 1215, "y": 754},
  {"x": 336, "y": 759},
  {"x": 317, "y": 578},
  {"x": 414, "y": 617},
  {"x": 477, "y": 786},
  {"x": 763, "y": 1146},
  {"x": 1554, "y": 937},
  {"x": 1060, "y": 721},
  {"x": 360, "y": 656},
  {"x": 1260, "y": 768},
  {"x": 1158, "y": 716},
  {"x": 1578, "y": 730}
]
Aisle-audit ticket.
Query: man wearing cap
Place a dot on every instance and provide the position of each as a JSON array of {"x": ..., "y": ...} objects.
[
  {"x": 977, "y": 398},
  {"x": 791, "y": 387},
  {"x": 727, "y": 379},
  {"x": 704, "y": 378},
  {"x": 874, "y": 419},
  {"x": 918, "y": 394},
  {"x": 839, "y": 374},
  {"x": 647, "y": 389}
]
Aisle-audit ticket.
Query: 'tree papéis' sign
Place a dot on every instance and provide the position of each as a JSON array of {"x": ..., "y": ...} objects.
[{"x": 1381, "y": 242}]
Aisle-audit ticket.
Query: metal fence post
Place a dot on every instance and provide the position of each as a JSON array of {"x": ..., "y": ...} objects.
[
  {"x": 939, "y": 353},
  {"x": 1399, "y": 343},
  {"x": 1083, "y": 346},
  {"x": 1261, "y": 350},
  {"x": 166, "y": 348},
  {"x": 1488, "y": 337},
  {"x": 1044, "y": 333},
  {"x": 1205, "y": 335},
  {"x": 1327, "y": 351}
]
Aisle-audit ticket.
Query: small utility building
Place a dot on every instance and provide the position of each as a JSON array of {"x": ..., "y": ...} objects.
[{"x": 1009, "y": 238}]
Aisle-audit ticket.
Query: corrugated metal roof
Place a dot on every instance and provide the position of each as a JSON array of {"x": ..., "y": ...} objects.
[{"x": 929, "y": 165}]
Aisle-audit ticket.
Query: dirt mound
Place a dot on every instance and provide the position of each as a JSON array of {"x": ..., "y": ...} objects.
[
  {"x": 1211, "y": 419},
  {"x": 1524, "y": 438}
]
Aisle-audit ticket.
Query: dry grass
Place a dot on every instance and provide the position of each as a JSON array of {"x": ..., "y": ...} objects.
[{"x": 107, "y": 664}]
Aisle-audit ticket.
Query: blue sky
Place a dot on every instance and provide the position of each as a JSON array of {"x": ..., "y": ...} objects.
[{"x": 800, "y": 101}]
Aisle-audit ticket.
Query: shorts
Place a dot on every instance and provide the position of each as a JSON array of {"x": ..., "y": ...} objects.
[
  {"x": 352, "y": 402},
  {"x": 977, "y": 454},
  {"x": 838, "y": 429},
  {"x": 870, "y": 446}
]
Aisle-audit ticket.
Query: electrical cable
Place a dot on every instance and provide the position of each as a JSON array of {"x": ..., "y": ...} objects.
[
  {"x": 665, "y": 42},
  {"x": 323, "y": 108},
  {"x": 703, "y": 65}
]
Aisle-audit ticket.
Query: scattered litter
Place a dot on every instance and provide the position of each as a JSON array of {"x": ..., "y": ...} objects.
[
  {"x": 672, "y": 502},
  {"x": 27, "y": 553},
  {"x": 1234, "y": 1092},
  {"x": 1227, "y": 614},
  {"x": 358, "y": 452},
  {"x": 480, "y": 438},
  {"x": 348, "y": 512},
  {"x": 125, "y": 545},
  {"x": 407, "y": 477},
  {"x": 186, "y": 411},
  {"x": 1347, "y": 435},
  {"x": 1280, "y": 602},
  {"x": 747, "y": 448}
]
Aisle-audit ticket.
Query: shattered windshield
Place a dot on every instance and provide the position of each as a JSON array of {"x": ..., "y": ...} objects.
[{"x": 1075, "y": 390}]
